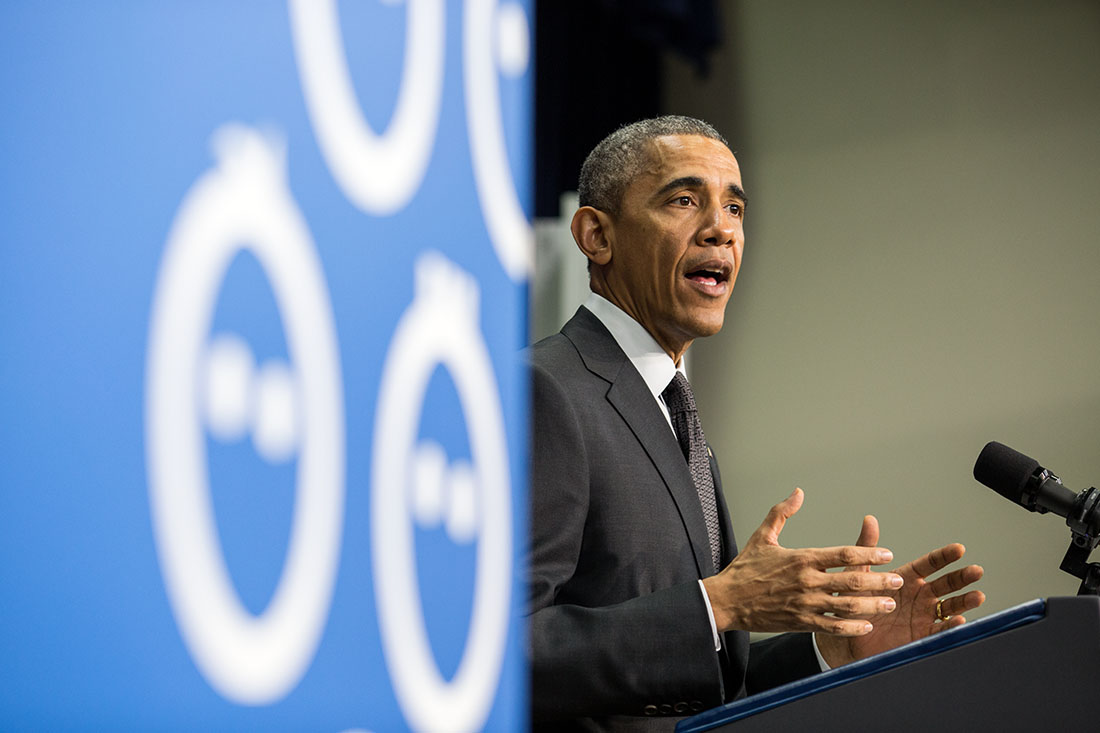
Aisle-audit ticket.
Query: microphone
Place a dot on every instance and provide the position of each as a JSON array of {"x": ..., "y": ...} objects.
[{"x": 1021, "y": 479}]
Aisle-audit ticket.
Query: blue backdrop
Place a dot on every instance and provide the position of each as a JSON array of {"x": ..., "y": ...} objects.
[{"x": 263, "y": 432}]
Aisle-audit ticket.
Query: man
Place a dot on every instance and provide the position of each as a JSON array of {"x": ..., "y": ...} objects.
[{"x": 640, "y": 602}]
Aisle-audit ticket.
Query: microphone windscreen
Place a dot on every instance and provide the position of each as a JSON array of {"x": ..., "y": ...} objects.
[{"x": 1004, "y": 470}]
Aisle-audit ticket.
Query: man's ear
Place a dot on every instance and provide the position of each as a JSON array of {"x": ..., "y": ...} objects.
[{"x": 592, "y": 232}]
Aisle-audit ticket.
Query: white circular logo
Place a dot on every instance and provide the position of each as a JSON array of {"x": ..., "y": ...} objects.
[
  {"x": 378, "y": 173},
  {"x": 492, "y": 34},
  {"x": 413, "y": 483},
  {"x": 195, "y": 383}
]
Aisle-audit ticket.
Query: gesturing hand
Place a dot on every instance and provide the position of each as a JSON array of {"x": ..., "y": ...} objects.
[
  {"x": 917, "y": 614},
  {"x": 771, "y": 588}
]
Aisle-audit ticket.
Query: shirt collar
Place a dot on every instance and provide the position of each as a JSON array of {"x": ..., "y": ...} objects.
[{"x": 651, "y": 361}]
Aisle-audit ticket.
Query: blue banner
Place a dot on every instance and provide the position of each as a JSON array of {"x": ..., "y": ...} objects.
[{"x": 263, "y": 273}]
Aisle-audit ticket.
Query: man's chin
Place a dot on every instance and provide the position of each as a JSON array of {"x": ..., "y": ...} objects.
[
  {"x": 711, "y": 331},
  {"x": 703, "y": 327}
]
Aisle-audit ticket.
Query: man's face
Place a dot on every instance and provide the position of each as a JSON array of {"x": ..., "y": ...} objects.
[{"x": 677, "y": 241}]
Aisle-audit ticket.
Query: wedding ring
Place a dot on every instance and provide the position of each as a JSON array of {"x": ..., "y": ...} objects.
[{"x": 939, "y": 611}]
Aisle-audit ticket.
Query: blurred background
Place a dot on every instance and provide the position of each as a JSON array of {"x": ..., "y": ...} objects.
[
  {"x": 263, "y": 419},
  {"x": 920, "y": 273}
]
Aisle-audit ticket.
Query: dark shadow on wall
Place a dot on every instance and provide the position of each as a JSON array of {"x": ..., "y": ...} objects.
[{"x": 598, "y": 66}]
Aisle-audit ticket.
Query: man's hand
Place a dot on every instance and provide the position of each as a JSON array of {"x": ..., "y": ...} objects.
[
  {"x": 917, "y": 615},
  {"x": 771, "y": 588}
]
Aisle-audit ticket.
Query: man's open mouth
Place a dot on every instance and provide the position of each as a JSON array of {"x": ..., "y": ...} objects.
[{"x": 710, "y": 274}]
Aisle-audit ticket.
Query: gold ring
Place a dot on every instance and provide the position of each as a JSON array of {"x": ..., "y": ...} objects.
[{"x": 939, "y": 611}]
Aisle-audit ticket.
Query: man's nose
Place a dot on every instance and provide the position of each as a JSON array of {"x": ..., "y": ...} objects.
[{"x": 719, "y": 228}]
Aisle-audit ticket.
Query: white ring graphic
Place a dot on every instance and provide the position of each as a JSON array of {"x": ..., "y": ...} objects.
[
  {"x": 511, "y": 234},
  {"x": 378, "y": 173},
  {"x": 243, "y": 204},
  {"x": 440, "y": 327}
]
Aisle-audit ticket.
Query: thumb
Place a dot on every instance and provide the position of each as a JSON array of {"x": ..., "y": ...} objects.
[
  {"x": 868, "y": 535},
  {"x": 769, "y": 529}
]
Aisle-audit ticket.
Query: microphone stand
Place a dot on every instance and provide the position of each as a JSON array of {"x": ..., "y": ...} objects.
[{"x": 1083, "y": 521}]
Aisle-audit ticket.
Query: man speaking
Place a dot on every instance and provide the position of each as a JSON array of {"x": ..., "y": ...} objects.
[{"x": 640, "y": 601}]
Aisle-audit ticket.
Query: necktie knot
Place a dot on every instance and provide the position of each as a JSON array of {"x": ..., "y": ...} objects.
[{"x": 678, "y": 396}]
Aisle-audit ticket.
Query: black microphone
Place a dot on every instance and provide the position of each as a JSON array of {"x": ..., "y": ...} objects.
[{"x": 1021, "y": 479}]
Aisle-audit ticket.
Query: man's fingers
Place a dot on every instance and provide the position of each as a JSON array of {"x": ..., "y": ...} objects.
[
  {"x": 769, "y": 529},
  {"x": 956, "y": 580},
  {"x": 857, "y": 607},
  {"x": 925, "y": 565},
  {"x": 848, "y": 556},
  {"x": 839, "y": 626},
  {"x": 868, "y": 537},
  {"x": 868, "y": 534},
  {"x": 948, "y": 624},
  {"x": 958, "y": 605},
  {"x": 861, "y": 582}
]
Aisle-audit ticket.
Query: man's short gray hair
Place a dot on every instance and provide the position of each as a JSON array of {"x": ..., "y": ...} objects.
[{"x": 619, "y": 157}]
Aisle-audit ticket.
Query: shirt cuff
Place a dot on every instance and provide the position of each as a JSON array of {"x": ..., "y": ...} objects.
[
  {"x": 817, "y": 652},
  {"x": 714, "y": 626}
]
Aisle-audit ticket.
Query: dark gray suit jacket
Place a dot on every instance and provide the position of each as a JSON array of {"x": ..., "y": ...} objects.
[{"x": 618, "y": 626}]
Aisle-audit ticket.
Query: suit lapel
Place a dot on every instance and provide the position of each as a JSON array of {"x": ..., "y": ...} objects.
[{"x": 631, "y": 398}]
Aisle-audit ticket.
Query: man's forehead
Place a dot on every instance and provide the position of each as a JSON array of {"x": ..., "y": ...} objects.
[{"x": 671, "y": 156}]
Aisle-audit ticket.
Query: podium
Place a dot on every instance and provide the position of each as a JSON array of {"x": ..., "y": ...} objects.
[{"x": 1034, "y": 667}]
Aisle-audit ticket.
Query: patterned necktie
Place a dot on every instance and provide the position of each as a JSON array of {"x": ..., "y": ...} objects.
[{"x": 685, "y": 420}]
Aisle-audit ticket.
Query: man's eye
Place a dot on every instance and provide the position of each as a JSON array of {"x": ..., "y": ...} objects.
[
  {"x": 683, "y": 200},
  {"x": 735, "y": 209}
]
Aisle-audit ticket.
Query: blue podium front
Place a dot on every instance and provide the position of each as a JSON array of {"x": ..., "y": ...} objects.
[{"x": 1035, "y": 666}]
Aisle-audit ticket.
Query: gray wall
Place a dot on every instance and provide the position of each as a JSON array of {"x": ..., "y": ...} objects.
[{"x": 921, "y": 270}]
